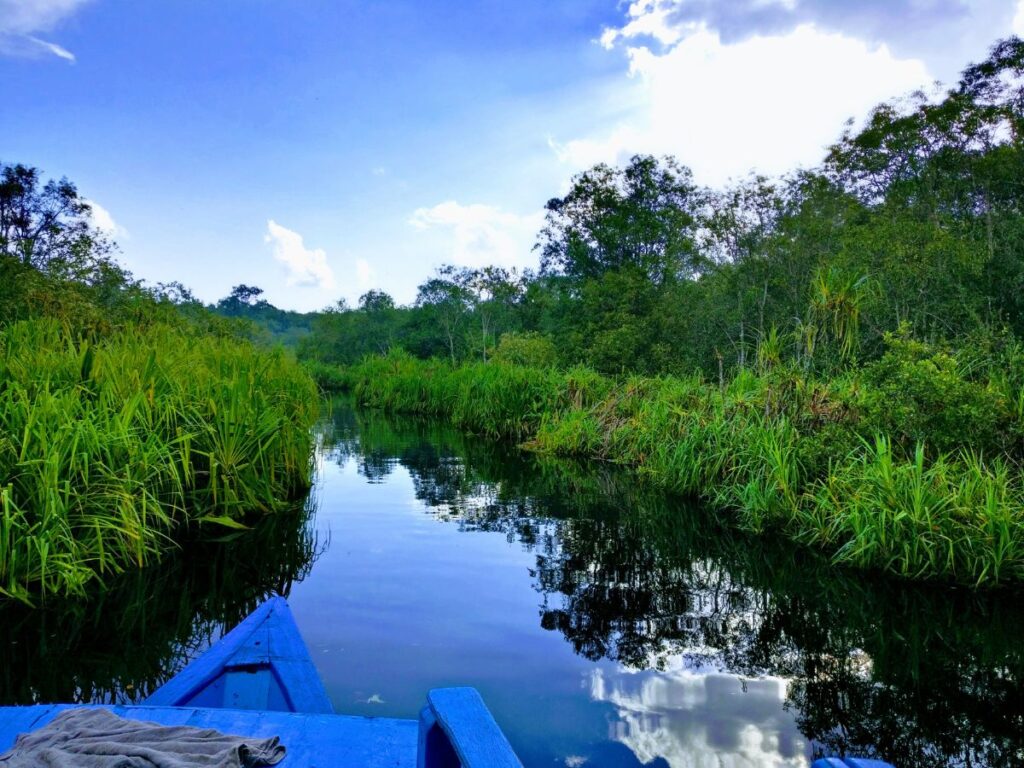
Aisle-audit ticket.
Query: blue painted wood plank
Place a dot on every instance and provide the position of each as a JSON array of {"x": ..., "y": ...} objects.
[
  {"x": 849, "y": 762},
  {"x": 471, "y": 730},
  {"x": 433, "y": 748},
  {"x": 261, "y": 664},
  {"x": 310, "y": 740}
]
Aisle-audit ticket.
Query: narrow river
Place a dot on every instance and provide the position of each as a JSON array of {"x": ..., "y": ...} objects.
[{"x": 605, "y": 624}]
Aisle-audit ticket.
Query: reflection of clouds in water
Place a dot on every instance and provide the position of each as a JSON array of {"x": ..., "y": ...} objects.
[{"x": 696, "y": 719}]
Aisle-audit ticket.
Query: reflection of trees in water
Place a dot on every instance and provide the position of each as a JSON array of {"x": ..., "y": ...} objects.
[
  {"x": 131, "y": 637},
  {"x": 920, "y": 675}
]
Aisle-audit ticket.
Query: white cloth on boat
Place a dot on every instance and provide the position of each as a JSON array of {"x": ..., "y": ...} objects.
[{"x": 97, "y": 738}]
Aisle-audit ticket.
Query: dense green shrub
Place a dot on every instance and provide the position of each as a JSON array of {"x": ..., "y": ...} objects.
[
  {"x": 526, "y": 348},
  {"x": 330, "y": 378},
  {"x": 917, "y": 393}
]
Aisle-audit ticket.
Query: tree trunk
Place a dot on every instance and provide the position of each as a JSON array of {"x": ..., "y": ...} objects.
[
  {"x": 483, "y": 337},
  {"x": 760, "y": 314},
  {"x": 451, "y": 345}
]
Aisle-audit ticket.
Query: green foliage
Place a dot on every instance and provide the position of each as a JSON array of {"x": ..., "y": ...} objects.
[
  {"x": 526, "y": 348},
  {"x": 330, "y": 378},
  {"x": 47, "y": 226},
  {"x": 640, "y": 217},
  {"x": 111, "y": 448},
  {"x": 960, "y": 517},
  {"x": 495, "y": 399},
  {"x": 917, "y": 393},
  {"x": 829, "y": 310},
  {"x": 837, "y": 300},
  {"x": 244, "y": 305},
  {"x": 861, "y": 398}
]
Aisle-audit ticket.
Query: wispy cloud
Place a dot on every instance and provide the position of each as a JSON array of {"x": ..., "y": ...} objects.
[
  {"x": 53, "y": 48},
  {"x": 21, "y": 21},
  {"x": 305, "y": 267},
  {"x": 478, "y": 235}
]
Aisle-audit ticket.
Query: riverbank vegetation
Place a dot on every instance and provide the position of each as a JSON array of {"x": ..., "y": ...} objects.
[
  {"x": 130, "y": 416},
  {"x": 835, "y": 355},
  {"x": 837, "y": 464}
]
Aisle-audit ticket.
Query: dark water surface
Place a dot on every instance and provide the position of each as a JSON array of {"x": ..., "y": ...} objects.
[{"x": 605, "y": 624}]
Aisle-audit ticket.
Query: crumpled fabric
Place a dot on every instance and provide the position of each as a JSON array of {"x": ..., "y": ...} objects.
[{"x": 97, "y": 738}]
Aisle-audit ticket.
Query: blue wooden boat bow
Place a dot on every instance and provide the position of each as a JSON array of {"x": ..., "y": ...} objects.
[
  {"x": 261, "y": 664},
  {"x": 259, "y": 681}
]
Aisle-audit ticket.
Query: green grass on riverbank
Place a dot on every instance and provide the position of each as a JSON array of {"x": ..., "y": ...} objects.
[
  {"x": 108, "y": 451},
  {"x": 909, "y": 466}
]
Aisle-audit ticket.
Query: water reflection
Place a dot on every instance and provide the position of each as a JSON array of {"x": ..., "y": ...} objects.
[
  {"x": 642, "y": 633},
  {"x": 128, "y": 639},
  {"x": 688, "y": 717},
  {"x": 710, "y": 645}
]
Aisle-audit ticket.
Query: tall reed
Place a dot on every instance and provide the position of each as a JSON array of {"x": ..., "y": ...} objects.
[{"x": 107, "y": 450}]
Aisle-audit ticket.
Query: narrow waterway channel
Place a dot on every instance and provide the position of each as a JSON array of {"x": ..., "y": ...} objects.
[{"x": 605, "y": 624}]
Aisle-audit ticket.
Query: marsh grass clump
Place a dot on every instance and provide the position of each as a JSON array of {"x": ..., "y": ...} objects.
[
  {"x": 330, "y": 378},
  {"x": 959, "y": 516},
  {"x": 863, "y": 465},
  {"x": 496, "y": 399},
  {"x": 110, "y": 449}
]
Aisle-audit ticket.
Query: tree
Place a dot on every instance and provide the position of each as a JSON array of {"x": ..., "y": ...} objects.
[
  {"x": 379, "y": 320},
  {"x": 448, "y": 298},
  {"x": 53, "y": 261},
  {"x": 47, "y": 226},
  {"x": 915, "y": 218},
  {"x": 736, "y": 232},
  {"x": 242, "y": 299},
  {"x": 940, "y": 184},
  {"x": 376, "y": 301},
  {"x": 641, "y": 217},
  {"x": 494, "y": 291},
  {"x": 173, "y": 292}
]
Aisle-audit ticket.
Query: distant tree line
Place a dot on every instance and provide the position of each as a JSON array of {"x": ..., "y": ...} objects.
[{"x": 913, "y": 224}]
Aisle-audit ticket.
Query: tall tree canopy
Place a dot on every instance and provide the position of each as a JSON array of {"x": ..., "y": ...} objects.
[
  {"x": 641, "y": 216},
  {"x": 45, "y": 225}
]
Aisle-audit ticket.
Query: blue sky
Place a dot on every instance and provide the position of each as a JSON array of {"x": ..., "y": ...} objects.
[{"x": 321, "y": 148}]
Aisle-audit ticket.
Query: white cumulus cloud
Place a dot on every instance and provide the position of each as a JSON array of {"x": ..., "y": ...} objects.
[
  {"x": 305, "y": 267},
  {"x": 694, "y": 718},
  {"x": 365, "y": 276},
  {"x": 768, "y": 103},
  {"x": 479, "y": 235},
  {"x": 104, "y": 221},
  {"x": 22, "y": 20}
]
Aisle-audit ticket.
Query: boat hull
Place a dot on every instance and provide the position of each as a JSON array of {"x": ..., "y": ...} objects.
[{"x": 262, "y": 664}]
